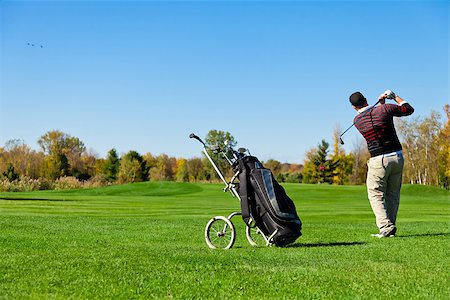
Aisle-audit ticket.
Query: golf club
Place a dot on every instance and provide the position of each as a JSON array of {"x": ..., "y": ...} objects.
[
  {"x": 353, "y": 124},
  {"x": 193, "y": 136}
]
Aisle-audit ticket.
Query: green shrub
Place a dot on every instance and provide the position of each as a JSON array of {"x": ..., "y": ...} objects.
[{"x": 295, "y": 177}]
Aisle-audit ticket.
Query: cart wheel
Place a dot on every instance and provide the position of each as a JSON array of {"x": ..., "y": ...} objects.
[
  {"x": 220, "y": 233},
  {"x": 255, "y": 237}
]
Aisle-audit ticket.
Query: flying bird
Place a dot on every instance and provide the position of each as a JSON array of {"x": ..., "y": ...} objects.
[{"x": 32, "y": 45}]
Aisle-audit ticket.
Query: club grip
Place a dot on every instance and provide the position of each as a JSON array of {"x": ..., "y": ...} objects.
[{"x": 193, "y": 136}]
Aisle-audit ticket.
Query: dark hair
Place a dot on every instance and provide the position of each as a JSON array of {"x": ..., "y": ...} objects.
[{"x": 357, "y": 100}]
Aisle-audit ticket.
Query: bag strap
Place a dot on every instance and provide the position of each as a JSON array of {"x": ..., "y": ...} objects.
[{"x": 243, "y": 192}]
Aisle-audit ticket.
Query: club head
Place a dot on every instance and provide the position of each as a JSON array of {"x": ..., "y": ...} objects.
[{"x": 342, "y": 142}]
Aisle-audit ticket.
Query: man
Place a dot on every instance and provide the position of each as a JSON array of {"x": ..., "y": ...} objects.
[{"x": 385, "y": 167}]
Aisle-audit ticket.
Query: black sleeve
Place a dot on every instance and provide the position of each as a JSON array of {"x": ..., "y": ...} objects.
[{"x": 399, "y": 110}]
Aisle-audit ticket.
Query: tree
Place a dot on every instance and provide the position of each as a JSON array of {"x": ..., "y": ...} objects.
[
  {"x": 443, "y": 142},
  {"x": 318, "y": 168},
  {"x": 341, "y": 162},
  {"x": 10, "y": 173},
  {"x": 111, "y": 165},
  {"x": 130, "y": 169},
  {"x": 144, "y": 170},
  {"x": 360, "y": 155},
  {"x": 56, "y": 141},
  {"x": 194, "y": 167},
  {"x": 100, "y": 166},
  {"x": 64, "y": 152},
  {"x": 181, "y": 170},
  {"x": 421, "y": 148},
  {"x": 54, "y": 166},
  {"x": 309, "y": 167},
  {"x": 325, "y": 167},
  {"x": 217, "y": 139},
  {"x": 163, "y": 168},
  {"x": 274, "y": 166},
  {"x": 150, "y": 163},
  {"x": 294, "y": 177},
  {"x": 25, "y": 161},
  {"x": 88, "y": 166}
]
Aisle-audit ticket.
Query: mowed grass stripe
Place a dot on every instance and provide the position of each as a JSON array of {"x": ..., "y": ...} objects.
[{"x": 146, "y": 241}]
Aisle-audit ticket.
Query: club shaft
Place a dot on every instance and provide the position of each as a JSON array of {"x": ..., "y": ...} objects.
[{"x": 353, "y": 124}]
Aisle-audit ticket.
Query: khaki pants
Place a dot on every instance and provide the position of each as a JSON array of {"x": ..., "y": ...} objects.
[{"x": 384, "y": 181}]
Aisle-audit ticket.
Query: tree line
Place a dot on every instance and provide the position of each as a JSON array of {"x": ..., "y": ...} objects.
[{"x": 64, "y": 162}]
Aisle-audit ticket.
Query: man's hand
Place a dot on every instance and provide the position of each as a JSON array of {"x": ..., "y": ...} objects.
[
  {"x": 389, "y": 94},
  {"x": 382, "y": 98}
]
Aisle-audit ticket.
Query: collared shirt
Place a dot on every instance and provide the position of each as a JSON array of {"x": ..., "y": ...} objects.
[{"x": 361, "y": 110}]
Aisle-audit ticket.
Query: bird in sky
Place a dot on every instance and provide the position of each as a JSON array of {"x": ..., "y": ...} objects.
[{"x": 32, "y": 45}]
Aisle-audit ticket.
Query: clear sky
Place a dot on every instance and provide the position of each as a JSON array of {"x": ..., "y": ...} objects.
[{"x": 142, "y": 75}]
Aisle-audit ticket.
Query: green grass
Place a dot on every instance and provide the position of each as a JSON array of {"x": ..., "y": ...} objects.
[{"x": 146, "y": 241}]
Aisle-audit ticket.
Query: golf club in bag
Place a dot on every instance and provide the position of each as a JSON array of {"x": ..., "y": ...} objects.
[{"x": 269, "y": 214}]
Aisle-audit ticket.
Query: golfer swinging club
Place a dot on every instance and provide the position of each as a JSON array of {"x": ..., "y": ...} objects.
[{"x": 385, "y": 167}]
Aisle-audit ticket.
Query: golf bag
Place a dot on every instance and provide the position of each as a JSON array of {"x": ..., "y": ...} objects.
[{"x": 264, "y": 201}]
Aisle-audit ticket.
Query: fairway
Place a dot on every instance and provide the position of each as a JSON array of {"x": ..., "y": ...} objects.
[{"x": 146, "y": 240}]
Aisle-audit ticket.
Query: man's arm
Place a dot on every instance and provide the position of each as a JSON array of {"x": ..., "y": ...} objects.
[
  {"x": 399, "y": 100},
  {"x": 403, "y": 108}
]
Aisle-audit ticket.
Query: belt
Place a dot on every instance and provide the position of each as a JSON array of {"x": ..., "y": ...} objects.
[{"x": 399, "y": 152}]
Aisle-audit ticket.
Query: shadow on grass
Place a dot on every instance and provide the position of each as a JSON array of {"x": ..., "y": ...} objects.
[
  {"x": 30, "y": 199},
  {"x": 423, "y": 234},
  {"x": 335, "y": 244}
]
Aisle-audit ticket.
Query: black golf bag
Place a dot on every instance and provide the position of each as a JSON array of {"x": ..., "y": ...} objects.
[{"x": 264, "y": 200}]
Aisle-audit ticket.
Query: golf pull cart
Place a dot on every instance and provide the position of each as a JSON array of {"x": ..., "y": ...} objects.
[{"x": 220, "y": 232}]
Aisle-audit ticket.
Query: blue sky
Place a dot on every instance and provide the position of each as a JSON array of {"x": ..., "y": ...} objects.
[{"x": 142, "y": 75}]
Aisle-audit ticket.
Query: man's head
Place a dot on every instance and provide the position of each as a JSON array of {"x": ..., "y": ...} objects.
[{"x": 357, "y": 100}]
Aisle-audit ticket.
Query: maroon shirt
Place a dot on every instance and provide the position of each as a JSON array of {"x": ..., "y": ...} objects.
[{"x": 377, "y": 127}]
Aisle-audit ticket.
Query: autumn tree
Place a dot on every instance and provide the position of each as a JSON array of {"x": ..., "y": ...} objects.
[
  {"x": 163, "y": 168},
  {"x": 274, "y": 165},
  {"x": 195, "y": 168},
  {"x": 443, "y": 143},
  {"x": 181, "y": 170},
  {"x": 150, "y": 163},
  {"x": 131, "y": 168},
  {"x": 63, "y": 153},
  {"x": 360, "y": 155},
  {"x": 310, "y": 172},
  {"x": 421, "y": 148},
  {"x": 25, "y": 160},
  {"x": 88, "y": 165},
  {"x": 341, "y": 162}
]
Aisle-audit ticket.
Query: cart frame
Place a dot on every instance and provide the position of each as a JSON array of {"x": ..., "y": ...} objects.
[{"x": 220, "y": 232}]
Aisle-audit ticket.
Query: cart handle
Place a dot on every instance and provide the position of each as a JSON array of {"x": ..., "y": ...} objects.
[{"x": 193, "y": 136}]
